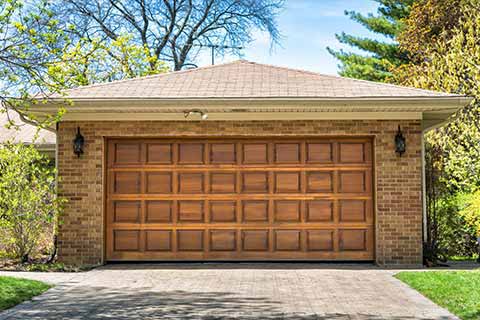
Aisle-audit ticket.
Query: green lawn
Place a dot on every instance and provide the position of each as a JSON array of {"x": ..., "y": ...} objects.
[
  {"x": 457, "y": 291},
  {"x": 15, "y": 290}
]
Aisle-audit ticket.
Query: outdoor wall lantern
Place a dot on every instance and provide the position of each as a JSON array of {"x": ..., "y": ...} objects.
[
  {"x": 197, "y": 112},
  {"x": 400, "y": 143},
  {"x": 78, "y": 143}
]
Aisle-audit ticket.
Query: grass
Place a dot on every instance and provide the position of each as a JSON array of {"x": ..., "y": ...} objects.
[
  {"x": 15, "y": 290},
  {"x": 457, "y": 291}
]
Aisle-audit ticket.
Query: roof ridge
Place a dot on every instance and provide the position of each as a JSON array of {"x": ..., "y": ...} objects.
[
  {"x": 347, "y": 78},
  {"x": 158, "y": 75}
]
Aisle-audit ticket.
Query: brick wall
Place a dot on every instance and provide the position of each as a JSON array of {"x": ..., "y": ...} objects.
[{"x": 397, "y": 179}]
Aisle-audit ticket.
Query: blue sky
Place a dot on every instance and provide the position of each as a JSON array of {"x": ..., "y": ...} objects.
[{"x": 308, "y": 27}]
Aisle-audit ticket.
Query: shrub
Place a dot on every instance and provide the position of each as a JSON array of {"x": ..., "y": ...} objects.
[{"x": 28, "y": 202}]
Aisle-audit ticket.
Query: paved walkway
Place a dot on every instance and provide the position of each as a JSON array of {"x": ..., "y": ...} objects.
[{"x": 226, "y": 291}]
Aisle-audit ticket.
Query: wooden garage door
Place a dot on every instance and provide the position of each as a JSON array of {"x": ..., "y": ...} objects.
[{"x": 239, "y": 199}]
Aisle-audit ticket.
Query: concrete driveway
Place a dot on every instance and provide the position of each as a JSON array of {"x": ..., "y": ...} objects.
[{"x": 227, "y": 291}]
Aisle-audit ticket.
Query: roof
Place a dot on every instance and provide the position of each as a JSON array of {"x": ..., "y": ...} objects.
[
  {"x": 244, "y": 79},
  {"x": 25, "y": 132}
]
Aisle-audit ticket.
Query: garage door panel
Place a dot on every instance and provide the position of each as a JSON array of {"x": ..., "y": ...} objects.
[
  {"x": 223, "y": 211},
  {"x": 319, "y": 181},
  {"x": 255, "y": 153},
  {"x": 159, "y": 153},
  {"x": 255, "y": 240},
  {"x": 223, "y": 182},
  {"x": 158, "y": 182},
  {"x": 126, "y": 240},
  {"x": 127, "y": 153},
  {"x": 223, "y": 153},
  {"x": 191, "y": 153},
  {"x": 191, "y": 211},
  {"x": 158, "y": 240},
  {"x": 255, "y": 182},
  {"x": 126, "y": 211},
  {"x": 159, "y": 211},
  {"x": 240, "y": 199},
  {"x": 255, "y": 210},
  {"x": 319, "y": 153},
  {"x": 287, "y": 240},
  {"x": 287, "y": 153},
  {"x": 190, "y": 240},
  {"x": 319, "y": 211},
  {"x": 287, "y": 211},
  {"x": 192, "y": 183},
  {"x": 287, "y": 182},
  {"x": 320, "y": 240},
  {"x": 223, "y": 240},
  {"x": 126, "y": 182}
]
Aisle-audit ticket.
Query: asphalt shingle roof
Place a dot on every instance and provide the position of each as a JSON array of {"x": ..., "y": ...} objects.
[
  {"x": 244, "y": 79},
  {"x": 25, "y": 132}
]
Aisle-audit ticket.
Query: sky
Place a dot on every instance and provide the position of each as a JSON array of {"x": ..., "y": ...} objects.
[{"x": 307, "y": 27}]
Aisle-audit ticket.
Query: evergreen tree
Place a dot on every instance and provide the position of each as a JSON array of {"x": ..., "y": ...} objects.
[{"x": 381, "y": 56}]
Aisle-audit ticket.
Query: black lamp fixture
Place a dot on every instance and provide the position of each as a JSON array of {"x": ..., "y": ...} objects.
[
  {"x": 400, "y": 142},
  {"x": 78, "y": 143}
]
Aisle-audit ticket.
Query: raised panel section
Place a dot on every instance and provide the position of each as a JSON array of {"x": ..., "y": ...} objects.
[
  {"x": 287, "y": 211},
  {"x": 287, "y": 182},
  {"x": 158, "y": 211},
  {"x": 319, "y": 182},
  {"x": 319, "y": 240},
  {"x": 126, "y": 182},
  {"x": 319, "y": 211},
  {"x": 352, "y": 152},
  {"x": 352, "y": 182},
  {"x": 158, "y": 240},
  {"x": 222, "y": 153},
  {"x": 222, "y": 182},
  {"x": 159, "y": 182},
  {"x": 255, "y": 182},
  {"x": 190, "y": 153},
  {"x": 126, "y": 211},
  {"x": 190, "y": 240},
  {"x": 126, "y": 240},
  {"x": 287, "y": 153},
  {"x": 255, "y": 211},
  {"x": 160, "y": 153},
  {"x": 190, "y": 211},
  {"x": 353, "y": 210},
  {"x": 287, "y": 240},
  {"x": 190, "y": 182},
  {"x": 223, "y": 211},
  {"x": 353, "y": 240},
  {"x": 255, "y": 240},
  {"x": 255, "y": 153},
  {"x": 319, "y": 152},
  {"x": 127, "y": 153},
  {"x": 223, "y": 240}
]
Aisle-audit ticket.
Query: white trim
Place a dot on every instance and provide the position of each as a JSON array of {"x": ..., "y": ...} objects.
[{"x": 238, "y": 116}]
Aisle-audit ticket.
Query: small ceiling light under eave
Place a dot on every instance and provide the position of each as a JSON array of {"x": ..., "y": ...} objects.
[{"x": 195, "y": 112}]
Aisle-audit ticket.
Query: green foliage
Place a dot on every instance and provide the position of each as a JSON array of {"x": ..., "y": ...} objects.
[
  {"x": 454, "y": 66},
  {"x": 455, "y": 236},
  {"x": 458, "y": 291},
  {"x": 28, "y": 201},
  {"x": 381, "y": 56},
  {"x": 471, "y": 211},
  {"x": 16, "y": 290}
]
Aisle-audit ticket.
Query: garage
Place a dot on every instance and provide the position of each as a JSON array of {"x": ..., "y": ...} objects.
[{"x": 302, "y": 198}]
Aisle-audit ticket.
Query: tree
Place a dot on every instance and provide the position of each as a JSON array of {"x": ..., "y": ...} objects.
[
  {"x": 28, "y": 201},
  {"x": 169, "y": 30},
  {"x": 30, "y": 43},
  {"x": 381, "y": 56},
  {"x": 447, "y": 59}
]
